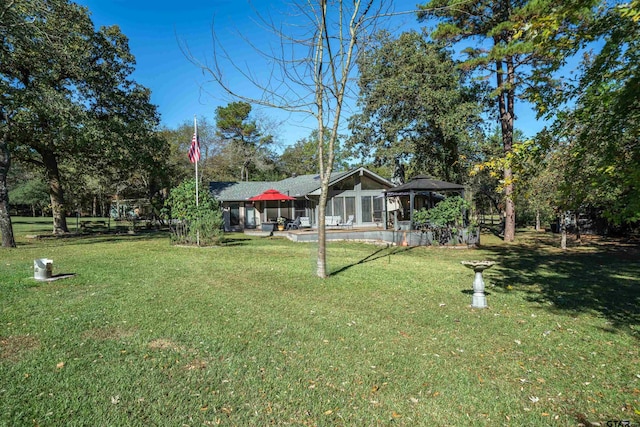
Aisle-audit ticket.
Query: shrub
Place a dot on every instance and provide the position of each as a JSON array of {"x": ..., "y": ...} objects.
[
  {"x": 447, "y": 213},
  {"x": 190, "y": 223}
]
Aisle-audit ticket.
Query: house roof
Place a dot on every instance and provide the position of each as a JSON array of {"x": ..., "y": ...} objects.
[
  {"x": 295, "y": 186},
  {"x": 425, "y": 183}
]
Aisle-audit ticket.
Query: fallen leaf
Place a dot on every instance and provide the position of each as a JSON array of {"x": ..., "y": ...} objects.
[
  {"x": 60, "y": 365},
  {"x": 329, "y": 412},
  {"x": 394, "y": 414},
  {"x": 115, "y": 399}
]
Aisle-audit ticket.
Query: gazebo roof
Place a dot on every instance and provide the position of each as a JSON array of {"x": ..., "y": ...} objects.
[{"x": 425, "y": 183}]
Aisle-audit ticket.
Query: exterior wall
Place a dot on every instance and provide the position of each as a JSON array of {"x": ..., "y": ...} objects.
[
  {"x": 248, "y": 215},
  {"x": 357, "y": 195}
]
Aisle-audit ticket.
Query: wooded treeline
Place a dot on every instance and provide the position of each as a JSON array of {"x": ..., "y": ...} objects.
[{"x": 76, "y": 130}]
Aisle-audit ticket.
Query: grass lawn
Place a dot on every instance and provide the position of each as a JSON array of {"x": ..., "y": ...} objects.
[{"x": 146, "y": 333}]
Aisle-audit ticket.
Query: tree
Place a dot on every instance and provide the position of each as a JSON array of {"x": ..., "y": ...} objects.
[
  {"x": 69, "y": 98},
  {"x": 414, "y": 106},
  {"x": 244, "y": 139},
  {"x": 310, "y": 75},
  {"x": 604, "y": 125},
  {"x": 14, "y": 30},
  {"x": 33, "y": 193},
  {"x": 301, "y": 158},
  {"x": 516, "y": 41}
]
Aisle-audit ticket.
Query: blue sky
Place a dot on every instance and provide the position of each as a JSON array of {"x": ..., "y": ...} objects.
[{"x": 156, "y": 28}]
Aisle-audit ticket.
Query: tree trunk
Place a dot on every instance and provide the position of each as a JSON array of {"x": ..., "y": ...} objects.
[
  {"x": 506, "y": 98},
  {"x": 6, "y": 228},
  {"x": 55, "y": 192},
  {"x": 322, "y": 235},
  {"x": 563, "y": 230},
  {"x": 537, "y": 220}
]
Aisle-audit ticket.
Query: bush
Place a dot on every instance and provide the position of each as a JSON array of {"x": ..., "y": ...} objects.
[
  {"x": 447, "y": 213},
  {"x": 191, "y": 223}
]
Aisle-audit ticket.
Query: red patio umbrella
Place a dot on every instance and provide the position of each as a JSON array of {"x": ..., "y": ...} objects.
[{"x": 269, "y": 195}]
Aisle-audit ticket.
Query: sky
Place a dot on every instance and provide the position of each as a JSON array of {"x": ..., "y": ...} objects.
[{"x": 157, "y": 29}]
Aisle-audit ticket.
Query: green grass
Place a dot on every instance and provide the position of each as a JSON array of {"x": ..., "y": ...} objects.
[{"x": 150, "y": 334}]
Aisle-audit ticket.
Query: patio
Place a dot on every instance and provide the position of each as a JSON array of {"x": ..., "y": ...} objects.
[{"x": 369, "y": 235}]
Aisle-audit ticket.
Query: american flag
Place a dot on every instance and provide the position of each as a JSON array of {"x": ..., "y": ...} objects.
[{"x": 194, "y": 150}]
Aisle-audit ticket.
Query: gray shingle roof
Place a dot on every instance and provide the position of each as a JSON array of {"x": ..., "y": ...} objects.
[{"x": 295, "y": 186}]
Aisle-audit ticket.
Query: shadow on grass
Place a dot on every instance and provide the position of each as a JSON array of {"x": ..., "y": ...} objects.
[
  {"x": 602, "y": 279},
  {"x": 234, "y": 242},
  {"x": 98, "y": 237},
  {"x": 380, "y": 253}
]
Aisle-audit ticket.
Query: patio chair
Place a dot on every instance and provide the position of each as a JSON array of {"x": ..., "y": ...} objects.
[
  {"x": 349, "y": 223},
  {"x": 295, "y": 224}
]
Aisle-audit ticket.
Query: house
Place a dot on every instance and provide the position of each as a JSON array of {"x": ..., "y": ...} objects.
[{"x": 357, "y": 192}]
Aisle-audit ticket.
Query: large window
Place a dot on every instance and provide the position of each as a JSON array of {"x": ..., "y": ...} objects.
[
  {"x": 234, "y": 213},
  {"x": 342, "y": 206},
  {"x": 329, "y": 208},
  {"x": 249, "y": 216},
  {"x": 349, "y": 207},
  {"x": 368, "y": 184},
  {"x": 346, "y": 184},
  {"x": 300, "y": 208},
  {"x": 367, "y": 209},
  {"x": 338, "y": 206},
  {"x": 372, "y": 207},
  {"x": 378, "y": 208}
]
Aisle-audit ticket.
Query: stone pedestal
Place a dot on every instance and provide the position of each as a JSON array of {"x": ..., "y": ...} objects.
[{"x": 479, "y": 299}]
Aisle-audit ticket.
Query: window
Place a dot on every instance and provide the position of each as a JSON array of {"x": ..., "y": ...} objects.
[
  {"x": 349, "y": 207},
  {"x": 372, "y": 207},
  {"x": 249, "y": 216},
  {"x": 300, "y": 208},
  {"x": 369, "y": 184},
  {"x": 378, "y": 208},
  {"x": 234, "y": 214},
  {"x": 367, "y": 209},
  {"x": 338, "y": 206},
  {"x": 346, "y": 184}
]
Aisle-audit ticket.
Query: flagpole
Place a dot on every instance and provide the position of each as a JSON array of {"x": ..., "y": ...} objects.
[{"x": 195, "y": 133}]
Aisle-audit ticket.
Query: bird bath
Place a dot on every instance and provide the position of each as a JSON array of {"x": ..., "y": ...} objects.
[{"x": 479, "y": 299}]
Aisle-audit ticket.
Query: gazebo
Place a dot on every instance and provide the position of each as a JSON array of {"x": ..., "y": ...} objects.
[{"x": 422, "y": 191}]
